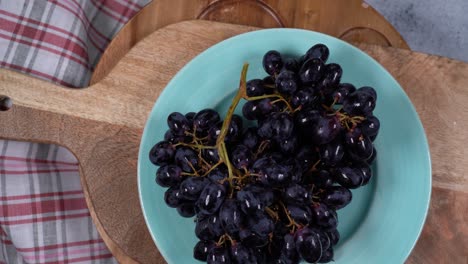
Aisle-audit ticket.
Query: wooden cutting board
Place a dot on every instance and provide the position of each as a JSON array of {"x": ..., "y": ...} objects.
[{"x": 102, "y": 126}]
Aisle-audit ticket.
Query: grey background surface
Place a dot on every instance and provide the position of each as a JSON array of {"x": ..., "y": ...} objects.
[{"x": 432, "y": 26}]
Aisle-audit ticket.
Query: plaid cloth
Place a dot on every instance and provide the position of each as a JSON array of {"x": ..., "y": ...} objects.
[
  {"x": 60, "y": 40},
  {"x": 43, "y": 213}
]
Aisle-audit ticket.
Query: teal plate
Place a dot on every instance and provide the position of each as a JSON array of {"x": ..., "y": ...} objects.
[{"x": 385, "y": 218}]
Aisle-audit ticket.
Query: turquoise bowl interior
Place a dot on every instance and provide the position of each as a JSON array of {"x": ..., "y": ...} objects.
[{"x": 385, "y": 218}]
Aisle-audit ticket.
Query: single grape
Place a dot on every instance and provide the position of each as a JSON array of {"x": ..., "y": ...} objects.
[
  {"x": 307, "y": 117},
  {"x": 348, "y": 177},
  {"x": 190, "y": 116},
  {"x": 278, "y": 126},
  {"x": 344, "y": 89},
  {"x": 276, "y": 175},
  {"x": 231, "y": 216},
  {"x": 173, "y": 197},
  {"x": 366, "y": 172},
  {"x": 251, "y": 239},
  {"x": 186, "y": 209},
  {"x": 233, "y": 134},
  {"x": 334, "y": 236},
  {"x": 201, "y": 250},
  {"x": 319, "y": 51},
  {"x": 327, "y": 256},
  {"x": 332, "y": 153},
  {"x": 359, "y": 103},
  {"x": 311, "y": 71},
  {"x": 204, "y": 230},
  {"x": 289, "y": 145},
  {"x": 241, "y": 157},
  {"x": 289, "y": 253},
  {"x": 210, "y": 155},
  {"x": 301, "y": 214},
  {"x": 265, "y": 195},
  {"x": 162, "y": 153},
  {"x": 211, "y": 198},
  {"x": 291, "y": 64},
  {"x": 373, "y": 157},
  {"x": 369, "y": 90},
  {"x": 336, "y": 197},
  {"x": 216, "y": 226},
  {"x": 321, "y": 178},
  {"x": 191, "y": 187},
  {"x": 308, "y": 245},
  {"x": 358, "y": 145},
  {"x": 317, "y": 129},
  {"x": 204, "y": 120},
  {"x": 306, "y": 157},
  {"x": 294, "y": 168},
  {"x": 214, "y": 132},
  {"x": 261, "y": 224},
  {"x": 303, "y": 98},
  {"x": 235, "y": 129},
  {"x": 219, "y": 255},
  {"x": 296, "y": 194},
  {"x": 219, "y": 175},
  {"x": 169, "y": 175},
  {"x": 272, "y": 62},
  {"x": 253, "y": 198},
  {"x": 324, "y": 216},
  {"x": 262, "y": 163},
  {"x": 241, "y": 254},
  {"x": 265, "y": 128},
  {"x": 249, "y": 202},
  {"x": 370, "y": 127},
  {"x": 286, "y": 82},
  {"x": 186, "y": 158},
  {"x": 255, "y": 88},
  {"x": 324, "y": 239},
  {"x": 331, "y": 78},
  {"x": 266, "y": 107},
  {"x": 172, "y": 138},
  {"x": 178, "y": 123},
  {"x": 250, "y": 138},
  {"x": 250, "y": 110}
]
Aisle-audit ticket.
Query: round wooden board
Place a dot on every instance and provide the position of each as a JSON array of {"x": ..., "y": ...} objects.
[
  {"x": 102, "y": 126},
  {"x": 350, "y": 20}
]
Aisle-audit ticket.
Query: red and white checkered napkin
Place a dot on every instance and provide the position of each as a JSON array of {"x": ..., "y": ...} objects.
[
  {"x": 60, "y": 40},
  {"x": 43, "y": 213}
]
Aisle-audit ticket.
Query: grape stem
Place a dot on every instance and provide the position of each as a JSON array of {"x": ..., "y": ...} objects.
[
  {"x": 291, "y": 221},
  {"x": 222, "y": 240},
  {"x": 276, "y": 95},
  {"x": 220, "y": 145},
  {"x": 272, "y": 213},
  {"x": 213, "y": 167},
  {"x": 195, "y": 146}
]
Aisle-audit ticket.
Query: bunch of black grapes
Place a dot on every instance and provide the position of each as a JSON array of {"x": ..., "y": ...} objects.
[{"x": 269, "y": 193}]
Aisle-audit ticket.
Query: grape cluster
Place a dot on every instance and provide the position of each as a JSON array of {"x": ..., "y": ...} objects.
[{"x": 269, "y": 193}]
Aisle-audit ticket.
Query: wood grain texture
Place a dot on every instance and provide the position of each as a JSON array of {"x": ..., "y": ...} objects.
[
  {"x": 351, "y": 20},
  {"x": 102, "y": 125}
]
